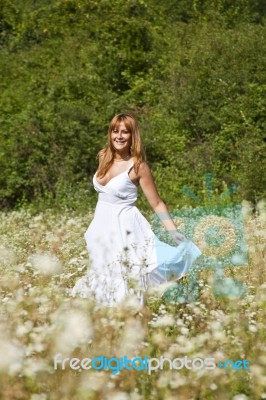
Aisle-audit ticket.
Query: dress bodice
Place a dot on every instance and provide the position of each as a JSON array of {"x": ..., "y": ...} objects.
[{"x": 118, "y": 190}]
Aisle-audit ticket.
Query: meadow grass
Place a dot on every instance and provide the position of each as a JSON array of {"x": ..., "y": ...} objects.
[{"x": 42, "y": 256}]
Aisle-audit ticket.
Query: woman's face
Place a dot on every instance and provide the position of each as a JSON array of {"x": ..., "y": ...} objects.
[{"x": 121, "y": 138}]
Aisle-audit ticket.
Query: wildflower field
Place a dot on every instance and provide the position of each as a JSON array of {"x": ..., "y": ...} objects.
[{"x": 42, "y": 256}]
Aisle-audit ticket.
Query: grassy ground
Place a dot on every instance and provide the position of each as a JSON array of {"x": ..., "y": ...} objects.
[{"x": 41, "y": 257}]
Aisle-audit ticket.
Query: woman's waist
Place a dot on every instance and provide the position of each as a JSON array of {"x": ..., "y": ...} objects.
[{"x": 115, "y": 201}]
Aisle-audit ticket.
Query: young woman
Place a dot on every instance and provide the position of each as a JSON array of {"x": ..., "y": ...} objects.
[{"x": 125, "y": 254}]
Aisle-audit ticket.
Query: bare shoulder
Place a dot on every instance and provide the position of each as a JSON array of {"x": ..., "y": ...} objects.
[
  {"x": 145, "y": 174},
  {"x": 144, "y": 169}
]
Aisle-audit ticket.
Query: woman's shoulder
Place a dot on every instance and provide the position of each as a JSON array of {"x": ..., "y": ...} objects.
[
  {"x": 144, "y": 165},
  {"x": 143, "y": 168}
]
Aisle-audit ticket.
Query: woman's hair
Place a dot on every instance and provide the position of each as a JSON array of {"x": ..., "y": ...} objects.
[{"x": 106, "y": 155}]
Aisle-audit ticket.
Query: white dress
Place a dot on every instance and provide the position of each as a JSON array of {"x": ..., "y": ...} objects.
[{"x": 125, "y": 254}]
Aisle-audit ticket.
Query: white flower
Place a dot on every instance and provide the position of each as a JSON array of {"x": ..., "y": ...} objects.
[
  {"x": 177, "y": 382},
  {"x": 165, "y": 320},
  {"x": 41, "y": 396},
  {"x": 117, "y": 396},
  {"x": 213, "y": 386},
  {"x": 12, "y": 356},
  {"x": 46, "y": 264},
  {"x": 6, "y": 255},
  {"x": 132, "y": 338},
  {"x": 240, "y": 397},
  {"x": 215, "y": 326},
  {"x": 131, "y": 303},
  {"x": 184, "y": 330},
  {"x": 218, "y": 335},
  {"x": 252, "y": 328},
  {"x": 33, "y": 366},
  {"x": 38, "y": 218},
  {"x": 94, "y": 381},
  {"x": 73, "y": 329}
]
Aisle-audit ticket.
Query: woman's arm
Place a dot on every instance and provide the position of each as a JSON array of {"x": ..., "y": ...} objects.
[{"x": 148, "y": 186}]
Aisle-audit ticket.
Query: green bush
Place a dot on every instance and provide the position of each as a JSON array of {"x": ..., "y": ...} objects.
[{"x": 192, "y": 71}]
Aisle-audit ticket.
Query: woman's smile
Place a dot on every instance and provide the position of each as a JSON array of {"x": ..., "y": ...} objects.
[{"x": 121, "y": 138}]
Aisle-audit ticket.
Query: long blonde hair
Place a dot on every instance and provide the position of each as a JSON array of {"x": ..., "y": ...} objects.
[{"x": 106, "y": 155}]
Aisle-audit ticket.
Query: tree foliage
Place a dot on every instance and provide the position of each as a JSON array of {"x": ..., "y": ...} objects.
[{"x": 192, "y": 70}]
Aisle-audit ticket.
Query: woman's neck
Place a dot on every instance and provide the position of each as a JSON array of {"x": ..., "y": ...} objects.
[{"x": 122, "y": 157}]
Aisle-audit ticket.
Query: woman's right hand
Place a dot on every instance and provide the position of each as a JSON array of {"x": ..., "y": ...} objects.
[{"x": 177, "y": 236}]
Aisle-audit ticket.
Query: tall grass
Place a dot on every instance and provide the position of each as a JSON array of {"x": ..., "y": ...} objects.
[{"x": 42, "y": 256}]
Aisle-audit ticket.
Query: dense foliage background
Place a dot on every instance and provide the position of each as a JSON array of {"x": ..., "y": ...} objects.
[{"x": 192, "y": 70}]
